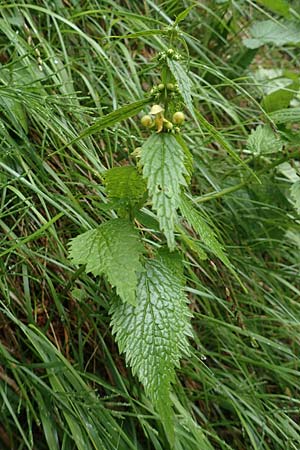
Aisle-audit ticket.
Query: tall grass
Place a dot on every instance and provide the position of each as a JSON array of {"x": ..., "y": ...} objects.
[{"x": 63, "y": 384}]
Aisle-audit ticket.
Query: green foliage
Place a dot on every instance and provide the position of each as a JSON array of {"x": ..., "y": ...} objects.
[
  {"x": 184, "y": 83},
  {"x": 65, "y": 75},
  {"x": 263, "y": 141},
  {"x": 204, "y": 229},
  {"x": 114, "y": 117},
  {"x": 188, "y": 157},
  {"x": 295, "y": 194},
  {"x": 127, "y": 185},
  {"x": 290, "y": 115},
  {"x": 112, "y": 249},
  {"x": 153, "y": 334},
  {"x": 281, "y": 98},
  {"x": 163, "y": 167},
  {"x": 271, "y": 32},
  {"x": 277, "y": 6}
]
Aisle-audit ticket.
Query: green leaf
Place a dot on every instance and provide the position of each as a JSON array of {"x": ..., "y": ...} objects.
[
  {"x": 172, "y": 260},
  {"x": 281, "y": 98},
  {"x": 183, "y": 15},
  {"x": 163, "y": 167},
  {"x": 153, "y": 335},
  {"x": 290, "y": 115},
  {"x": 184, "y": 83},
  {"x": 112, "y": 118},
  {"x": 205, "y": 231},
  {"x": 14, "y": 109},
  {"x": 188, "y": 157},
  {"x": 271, "y": 32},
  {"x": 113, "y": 249},
  {"x": 278, "y": 99},
  {"x": 277, "y": 6},
  {"x": 125, "y": 183},
  {"x": 295, "y": 194},
  {"x": 263, "y": 141}
]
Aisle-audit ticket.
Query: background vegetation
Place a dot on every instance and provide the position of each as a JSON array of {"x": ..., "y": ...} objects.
[{"x": 63, "y": 383}]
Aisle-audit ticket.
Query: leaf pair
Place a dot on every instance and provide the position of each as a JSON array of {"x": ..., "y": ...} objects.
[{"x": 152, "y": 323}]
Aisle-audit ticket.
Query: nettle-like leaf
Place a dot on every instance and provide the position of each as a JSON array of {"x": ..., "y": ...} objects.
[
  {"x": 289, "y": 115},
  {"x": 271, "y": 32},
  {"x": 295, "y": 194},
  {"x": 188, "y": 157},
  {"x": 114, "y": 250},
  {"x": 153, "y": 334},
  {"x": 184, "y": 83},
  {"x": 263, "y": 141},
  {"x": 205, "y": 231},
  {"x": 126, "y": 184},
  {"x": 163, "y": 160}
]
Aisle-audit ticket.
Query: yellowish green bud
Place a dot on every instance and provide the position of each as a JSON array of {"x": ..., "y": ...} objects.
[
  {"x": 147, "y": 121},
  {"x": 178, "y": 118}
]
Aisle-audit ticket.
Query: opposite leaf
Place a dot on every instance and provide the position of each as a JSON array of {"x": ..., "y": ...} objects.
[
  {"x": 113, "y": 249},
  {"x": 162, "y": 158},
  {"x": 153, "y": 334}
]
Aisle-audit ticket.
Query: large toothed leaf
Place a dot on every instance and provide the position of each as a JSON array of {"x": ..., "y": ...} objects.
[
  {"x": 113, "y": 249},
  {"x": 264, "y": 141},
  {"x": 295, "y": 194},
  {"x": 153, "y": 335},
  {"x": 205, "y": 231},
  {"x": 273, "y": 32},
  {"x": 163, "y": 159}
]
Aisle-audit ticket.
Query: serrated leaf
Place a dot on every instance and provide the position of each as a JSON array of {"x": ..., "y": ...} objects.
[
  {"x": 271, "y": 32},
  {"x": 286, "y": 115},
  {"x": 172, "y": 260},
  {"x": 295, "y": 194},
  {"x": 205, "y": 231},
  {"x": 263, "y": 141},
  {"x": 184, "y": 83},
  {"x": 193, "y": 244},
  {"x": 188, "y": 157},
  {"x": 125, "y": 183},
  {"x": 163, "y": 167},
  {"x": 277, "y": 6},
  {"x": 290, "y": 171},
  {"x": 113, "y": 249},
  {"x": 153, "y": 335}
]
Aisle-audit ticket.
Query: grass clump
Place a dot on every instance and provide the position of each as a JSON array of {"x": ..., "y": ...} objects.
[{"x": 63, "y": 383}]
